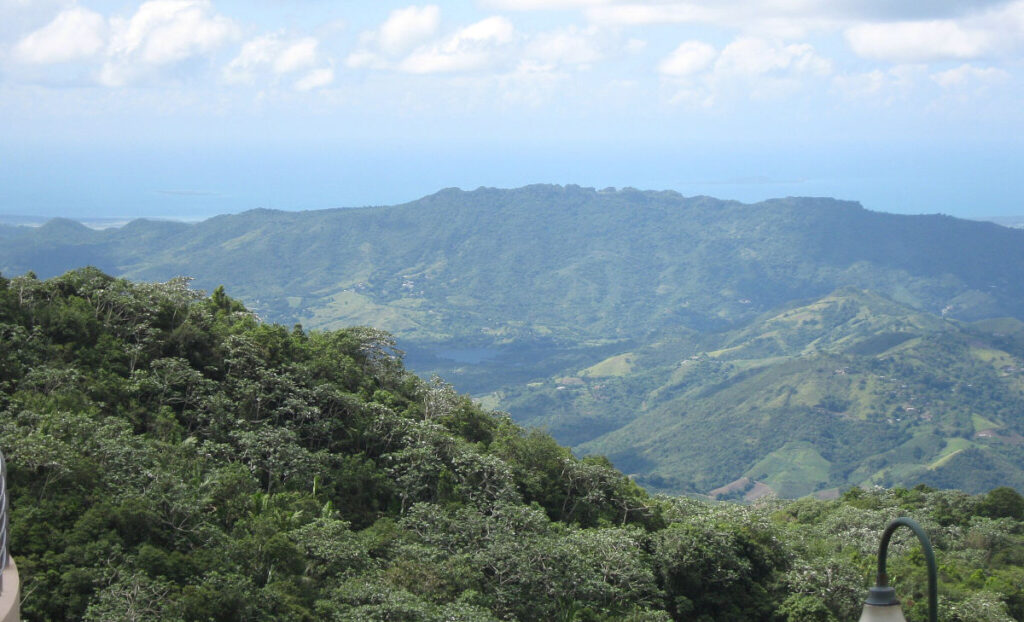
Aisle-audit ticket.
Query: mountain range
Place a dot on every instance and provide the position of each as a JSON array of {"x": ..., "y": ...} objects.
[{"x": 799, "y": 345}]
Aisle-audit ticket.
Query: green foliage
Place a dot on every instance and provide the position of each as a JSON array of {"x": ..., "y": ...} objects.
[
  {"x": 549, "y": 261},
  {"x": 173, "y": 458},
  {"x": 1002, "y": 502},
  {"x": 796, "y": 404},
  {"x": 619, "y": 291}
]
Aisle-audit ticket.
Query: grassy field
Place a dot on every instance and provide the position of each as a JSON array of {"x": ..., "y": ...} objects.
[
  {"x": 614, "y": 366},
  {"x": 794, "y": 470}
]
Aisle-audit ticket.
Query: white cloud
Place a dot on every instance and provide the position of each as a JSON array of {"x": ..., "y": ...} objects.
[
  {"x": 542, "y": 5},
  {"x": 272, "y": 54},
  {"x": 689, "y": 58},
  {"x": 255, "y": 55},
  {"x": 748, "y": 67},
  {"x": 167, "y": 31},
  {"x": 787, "y": 20},
  {"x": 471, "y": 48},
  {"x": 969, "y": 75},
  {"x": 160, "y": 33},
  {"x": 529, "y": 83},
  {"x": 731, "y": 12},
  {"x": 491, "y": 29},
  {"x": 363, "y": 59},
  {"x": 406, "y": 28},
  {"x": 753, "y": 56},
  {"x": 887, "y": 86},
  {"x": 866, "y": 84},
  {"x": 797, "y": 19},
  {"x": 568, "y": 46},
  {"x": 317, "y": 78},
  {"x": 297, "y": 56},
  {"x": 636, "y": 14},
  {"x": 918, "y": 41},
  {"x": 402, "y": 31},
  {"x": 489, "y": 44},
  {"x": 634, "y": 46},
  {"x": 74, "y": 34}
]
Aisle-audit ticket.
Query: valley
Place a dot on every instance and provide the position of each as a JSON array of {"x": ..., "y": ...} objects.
[{"x": 798, "y": 346}]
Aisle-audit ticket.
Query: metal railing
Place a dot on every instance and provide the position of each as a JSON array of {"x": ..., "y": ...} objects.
[{"x": 3, "y": 520}]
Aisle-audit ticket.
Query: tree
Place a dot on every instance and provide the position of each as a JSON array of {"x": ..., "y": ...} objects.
[{"x": 1002, "y": 502}]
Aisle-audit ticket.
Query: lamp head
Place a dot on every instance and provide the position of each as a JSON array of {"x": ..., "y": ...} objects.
[{"x": 882, "y": 606}]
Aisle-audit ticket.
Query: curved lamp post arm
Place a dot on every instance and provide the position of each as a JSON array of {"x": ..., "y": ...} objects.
[{"x": 929, "y": 555}]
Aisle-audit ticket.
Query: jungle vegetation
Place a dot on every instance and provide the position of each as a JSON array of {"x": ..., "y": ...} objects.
[{"x": 172, "y": 458}]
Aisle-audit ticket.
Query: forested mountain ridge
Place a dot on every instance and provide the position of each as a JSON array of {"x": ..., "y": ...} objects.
[
  {"x": 171, "y": 458},
  {"x": 851, "y": 389},
  {"x": 569, "y": 263},
  {"x": 505, "y": 292}
]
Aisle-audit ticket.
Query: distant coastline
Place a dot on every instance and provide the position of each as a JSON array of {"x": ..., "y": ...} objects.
[{"x": 19, "y": 220}]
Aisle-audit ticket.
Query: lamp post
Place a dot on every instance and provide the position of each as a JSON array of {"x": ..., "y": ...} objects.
[{"x": 881, "y": 604}]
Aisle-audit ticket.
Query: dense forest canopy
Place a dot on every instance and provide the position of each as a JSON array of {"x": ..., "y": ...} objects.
[{"x": 174, "y": 458}]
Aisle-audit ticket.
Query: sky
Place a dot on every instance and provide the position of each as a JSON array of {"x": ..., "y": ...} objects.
[{"x": 191, "y": 108}]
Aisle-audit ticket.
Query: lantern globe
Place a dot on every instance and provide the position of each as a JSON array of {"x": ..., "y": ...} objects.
[{"x": 882, "y": 613}]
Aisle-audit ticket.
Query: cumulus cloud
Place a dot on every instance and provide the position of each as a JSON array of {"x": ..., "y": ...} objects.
[
  {"x": 918, "y": 41},
  {"x": 530, "y": 83},
  {"x": 407, "y": 41},
  {"x": 167, "y": 31},
  {"x": 298, "y": 55},
  {"x": 407, "y": 28},
  {"x": 542, "y": 5},
  {"x": 744, "y": 56},
  {"x": 567, "y": 46},
  {"x": 637, "y": 14},
  {"x": 403, "y": 30},
  {"x": 797, "y": 19},
  {"x": 865, "y": 84},
  {"x": 729, "y": 12},
  {"x": 764, "y": 19},
  {"x": 160, "y": 33},
  {"x": 315, "y": 79},
  {"x": 746, "y": 67},
  {"x": 759, "y": 46},
  {"x": 415, "y": 45},
  {"x": 969, "y": 75},
  {"x": 689, "y": 58},
  {"x": 275, "y": 56},
  {"x": 886, "y": 10},
  {"x": 753, "y": 56},
  {"x": 887, "y": 86},
  {"x": 474, "y": 47},
  {"x": 75, "y": 34},
  {"x": 896, "y": 32}
]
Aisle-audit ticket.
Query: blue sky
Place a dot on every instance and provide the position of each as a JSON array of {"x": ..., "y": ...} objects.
[{"x": 189, "y": 108}]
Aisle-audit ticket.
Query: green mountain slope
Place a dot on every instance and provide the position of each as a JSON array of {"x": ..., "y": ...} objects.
[
  {"x": 173, "y": 459},
  {"x": 851, "y": 389},
  {"x": 653, "y": 327},
  {"x": 571, "y": 263},
  {"x": 9, "y": 231}
]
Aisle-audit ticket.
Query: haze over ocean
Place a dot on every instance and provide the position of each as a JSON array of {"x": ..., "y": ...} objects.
[
  {"x": 124, "y": 183},
  {"x": 194, "y": 108}
]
